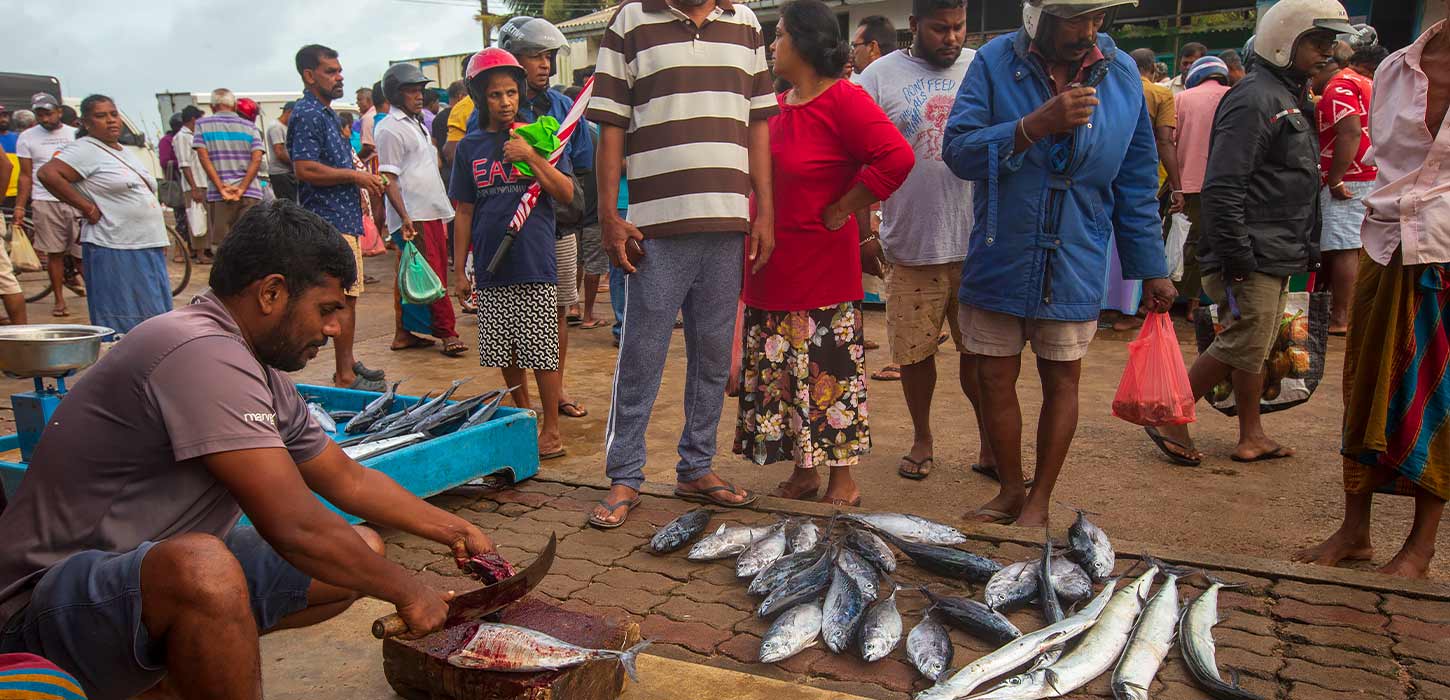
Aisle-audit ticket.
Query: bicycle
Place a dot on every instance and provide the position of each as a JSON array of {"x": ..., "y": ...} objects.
[{"x": 39, "y": 280}]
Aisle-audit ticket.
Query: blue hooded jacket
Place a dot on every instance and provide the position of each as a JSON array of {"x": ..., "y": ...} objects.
[{"x": 1039, "y": 245}]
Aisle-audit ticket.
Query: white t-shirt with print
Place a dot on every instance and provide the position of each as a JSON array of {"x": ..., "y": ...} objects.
[
  {"x": 125, "y": 192},
  {"x": 40, "y": 144}
]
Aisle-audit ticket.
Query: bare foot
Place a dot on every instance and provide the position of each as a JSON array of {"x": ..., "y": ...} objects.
[
  {"x": 1180, "y": 435},
  {"x": 1259, "y": 448},
  {"x": 803, "y": 483},
  {"x": 1341, "y": 546},
  {"x": 549, "y": 444},
  {"x": 618, "y": 495},
  {"x": 1409, "y": 563},
  {"x": 1127, "y": 323},
  {"x": 1006, "y": 503},
  {"x": 1032, "y": 516}
]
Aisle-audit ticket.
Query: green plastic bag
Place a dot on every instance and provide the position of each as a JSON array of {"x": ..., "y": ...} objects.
[
  {"x": 417, "y": 283},
  {"x": 543, "y": 135}
]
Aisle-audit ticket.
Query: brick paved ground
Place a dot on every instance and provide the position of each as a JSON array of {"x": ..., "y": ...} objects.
[{"x": 1291, "y": 639}]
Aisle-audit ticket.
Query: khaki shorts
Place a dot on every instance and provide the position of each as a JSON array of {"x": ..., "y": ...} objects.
[
  {"x": 8, "y": 283},
  {"x": 1245, "y": 343},
  {"x": 355, "y": 243},
  {"x": 922, "y": 297},
  {"x": 57, "y": 228},
  {"x": 1003, "y": 335},
  {"x": 221, "y": 216}
]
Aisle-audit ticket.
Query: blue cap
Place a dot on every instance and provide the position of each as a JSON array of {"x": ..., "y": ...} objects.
[{"x": 1205, "y": 68}]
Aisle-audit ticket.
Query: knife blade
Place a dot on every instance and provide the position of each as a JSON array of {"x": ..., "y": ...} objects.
[{"x": 481, "y": 601}]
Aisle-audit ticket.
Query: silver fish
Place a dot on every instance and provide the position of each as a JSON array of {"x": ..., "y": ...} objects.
[
  {"x": 1091, "y": 657},
  {"x": 911, "y": 528},
  {"x": 1091, "y": 547},
  {"x": 498, "y": 647},
  {"x": 880, "y": 628},
  {"x": 1012, "y": 587},
  {"x": 1070, "y": 581},
  {"x": 974, "y": 618},
  {"x": 785, "y": 567},
  {"x": 324, "y": 420},
  {"x": 861, "y": 573},
  {"x": 929, "y": 647},
  {"x": 842, "y": 612},
  {"x": 802, "y": 534},
  {"x": 796, "y": 629},
  {"x": 1151, "y": 639},
  {"x": 728, "y": 541},
  {"x": 1195, "y": 639},
  {"x": 1017, "y": 652},
  {"x": 803, "y": 586},
  {"x": 678, "y": 532},
  {"x": 761, "y": 553},
  {"x": 376, "y": 409},
  {"x": 373, "y": 449},
  {"x": 872, "y": 549},
  {"x": 1046, "y": 594}
]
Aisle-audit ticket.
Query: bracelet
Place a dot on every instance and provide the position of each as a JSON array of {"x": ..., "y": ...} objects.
[
  {"x": 868, "y": 239},
  {"x": 1022, "y": 126},
  {"x": 1337, "y": 185}
]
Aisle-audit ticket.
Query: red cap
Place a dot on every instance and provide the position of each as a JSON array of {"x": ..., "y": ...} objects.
[{"x": 247, "y": 107}]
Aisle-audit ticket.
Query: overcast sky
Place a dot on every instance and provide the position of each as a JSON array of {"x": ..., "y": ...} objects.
[{"x": 133, "y": 50}]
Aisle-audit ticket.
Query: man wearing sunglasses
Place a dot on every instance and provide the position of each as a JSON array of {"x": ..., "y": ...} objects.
[{"x": 1051, "y": 123}]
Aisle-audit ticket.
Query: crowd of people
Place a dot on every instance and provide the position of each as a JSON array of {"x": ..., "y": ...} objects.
[{"x": 1008, "y": 195}]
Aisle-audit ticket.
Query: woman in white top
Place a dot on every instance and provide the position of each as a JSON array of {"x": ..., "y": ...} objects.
[{"x": 123, "y": 235}]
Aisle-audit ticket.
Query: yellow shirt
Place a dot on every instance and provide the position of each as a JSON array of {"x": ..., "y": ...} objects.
[
  {"x": 458, "y": 118},
  {"x": 1160, "y": 111}
]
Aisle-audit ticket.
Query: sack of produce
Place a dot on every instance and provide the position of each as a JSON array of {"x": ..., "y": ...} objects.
[
  {"x": 1155, "y": 389},
  {"x": 1296, "y": 361}
]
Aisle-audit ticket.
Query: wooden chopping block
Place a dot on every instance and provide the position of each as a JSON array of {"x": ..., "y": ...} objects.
[{"x": 419, "y": 669}]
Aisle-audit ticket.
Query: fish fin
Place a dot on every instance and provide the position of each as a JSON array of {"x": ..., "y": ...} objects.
[
  {"x": 1075, "y": 509},
  {"x": 1218, "y": 581},
  {"x": 1050, "y": 678},
  {"x": 628, "y": 656}
]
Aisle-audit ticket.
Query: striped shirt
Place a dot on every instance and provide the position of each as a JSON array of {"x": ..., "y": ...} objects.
[
  {"x": 229, "y": 141},
  {"x": 30, "y": 677},
  {"x": 685, "y": 96}
]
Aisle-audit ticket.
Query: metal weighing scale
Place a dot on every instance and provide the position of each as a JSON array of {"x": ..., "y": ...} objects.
[{"x": 45, "y": 352}]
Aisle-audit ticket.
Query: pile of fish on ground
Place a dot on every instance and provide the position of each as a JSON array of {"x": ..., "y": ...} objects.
[
  {"x": 377, "y": 429},
  {"x": 834, "y": 584}
]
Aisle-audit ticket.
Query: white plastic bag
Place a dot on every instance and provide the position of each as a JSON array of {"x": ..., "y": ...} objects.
[{"x": 1173, "y": 246}]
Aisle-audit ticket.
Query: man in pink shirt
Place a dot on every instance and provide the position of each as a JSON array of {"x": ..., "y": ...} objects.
[
  {"x": 1207, "y": 82},
  {"x": 1396, "y": 422}
]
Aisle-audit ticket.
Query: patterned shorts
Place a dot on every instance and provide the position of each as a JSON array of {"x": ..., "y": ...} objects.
[{"x": 518, "y": 326}]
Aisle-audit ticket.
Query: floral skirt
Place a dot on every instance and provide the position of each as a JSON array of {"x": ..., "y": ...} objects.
[{"x": 803, "y": 390}]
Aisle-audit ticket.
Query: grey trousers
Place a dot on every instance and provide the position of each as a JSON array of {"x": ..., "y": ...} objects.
[{"x": 698, "y": 274}]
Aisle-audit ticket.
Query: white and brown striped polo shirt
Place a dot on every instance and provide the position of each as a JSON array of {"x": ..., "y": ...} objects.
[{"x": 685, "y": 96}]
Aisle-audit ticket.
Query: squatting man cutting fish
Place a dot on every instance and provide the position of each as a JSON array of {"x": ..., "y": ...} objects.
[{"x": 122, "y": 561}]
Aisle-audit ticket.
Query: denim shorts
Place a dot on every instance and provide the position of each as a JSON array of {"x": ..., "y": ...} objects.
[{"x": 84, "y": 614}]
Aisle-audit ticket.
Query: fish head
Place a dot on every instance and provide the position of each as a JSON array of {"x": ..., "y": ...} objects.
[
  {"x": 773, "y": 650},
  {"x": 1123, "y": 690},
  {"x": 1024, "y": 686},
  {"x": 934, "y": 667},
  {"x": 874, "y": 647}
]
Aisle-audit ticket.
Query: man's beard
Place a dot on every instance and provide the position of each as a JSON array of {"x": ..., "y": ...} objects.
[{"x": 282, "y": 352}]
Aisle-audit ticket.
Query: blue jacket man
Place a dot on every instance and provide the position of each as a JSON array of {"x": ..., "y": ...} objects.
[{"x": 1050, "y": 123}]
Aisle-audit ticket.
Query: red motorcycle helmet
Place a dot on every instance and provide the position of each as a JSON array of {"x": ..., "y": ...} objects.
[
  {"x": 484, "y": 62},
  {"x": 248, "y": 109}
]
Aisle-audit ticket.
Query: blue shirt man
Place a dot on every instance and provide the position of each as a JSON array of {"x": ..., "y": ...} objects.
[{"x": 313, "y": 134}]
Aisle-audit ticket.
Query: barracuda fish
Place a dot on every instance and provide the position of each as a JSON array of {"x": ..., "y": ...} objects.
[
  {"x": 1151, "y": 640},
  {"x": 438, "y": 422},
  {"x": 929, "y": 647},
  {"x": 872, "y": 549},
  {"x": 498, "y": 647},
  {"x": 802, "y": 534},
  {"x": 861, "y": 573},
  {"x": 910, "y": 528},
  {"x": 785, "y": 567},
  {"x": 1093, "y": 655},
  {"x": 949, "y": 562},
  {"x": 803, "y": 586},
  {"x": 1046, "y": 593},
  {"x": 437, "y": 404},
  {"x": 728, "y": 541},
  {"x": 1018, "y": 652},
  {"x": 369, "y": 450},
  {"x": 1195, "y": 639},
  {"x": 377, "y": 408},
  {"x": 790, "y": 634},
  {"x": 881, "y": 628},
  {"x": 1013, "y": 586},
  {"x": 487, "y": 409},
  {"x": 841, "y": 614},
  {"x": 973, "y": 617},
  {"x": 762, "y": 553},
  {"x": 678, "y": 532},
  {"x": 1090, "y": 546}
]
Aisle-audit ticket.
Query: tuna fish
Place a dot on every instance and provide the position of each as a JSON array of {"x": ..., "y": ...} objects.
[
  {"x": 974, "y": 618},
  {"x": 1090, "y": 546},
  {"x": 785, "y": 567},
  {"x": 880, "y": 628},
  {"x": 911, "y": 528},
  {"x": 1012, "y": 587},
  {"x": 497, "y": 647},
  {"x": 802, "y": 534},
  {"x": 949, "y": 562},
  {"x": 678, "y": 532},
  {"x": 872, "y": 549},
  {"x": 803, "y": 586},
  {"x": 796, "y": 629},
  {"x": 929, "y": 647},
  {"x": 728, "y": 541},
  {"x": 842, "y": 612},
  {"x": 762, "y": 553},
  {"x": 1195, "y": 638},
  {"x": 861, "y": 573}
]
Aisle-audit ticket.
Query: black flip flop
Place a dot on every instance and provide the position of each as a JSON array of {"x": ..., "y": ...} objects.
[
  {"x": 990, "y": 472},
  {"x": 605, "y": 524},
  {"x": 1277, "y": 453},
  {"x": 1162, "y": 441},
  {"x": 703, "y": 496},
  {"x": 923, "y": 468}
]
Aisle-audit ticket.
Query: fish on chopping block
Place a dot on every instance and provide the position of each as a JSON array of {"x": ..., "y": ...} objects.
[
  {"x": 508, "y": 648},
  {"x": 678, "y": 532}
]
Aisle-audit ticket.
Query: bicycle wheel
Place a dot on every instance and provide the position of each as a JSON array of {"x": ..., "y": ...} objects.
[
  {"x": 180, "y": 272},
  {"x": 34, "y": 283}
]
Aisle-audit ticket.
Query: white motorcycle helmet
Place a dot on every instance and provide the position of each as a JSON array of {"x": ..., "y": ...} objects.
[
  {"x": 1033, "y": 10},
  {"x": 1281, "y": 26}
]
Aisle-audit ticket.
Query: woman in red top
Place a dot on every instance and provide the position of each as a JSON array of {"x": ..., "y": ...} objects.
[{"x": 833, "y": 152}]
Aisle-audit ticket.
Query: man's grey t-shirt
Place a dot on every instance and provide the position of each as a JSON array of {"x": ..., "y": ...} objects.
[
  {"x": 928, "y": 219},
  {"x": 120, "y": 464},
  {"x": 276, "y": 133}
]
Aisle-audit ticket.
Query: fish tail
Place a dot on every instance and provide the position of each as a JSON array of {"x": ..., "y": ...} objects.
[
  {"x": 1218, "y": 581},
  {"x": 628, "y": 656}
]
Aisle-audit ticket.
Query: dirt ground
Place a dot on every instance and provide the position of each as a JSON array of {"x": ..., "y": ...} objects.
[{"x": 1267, "y": 509}]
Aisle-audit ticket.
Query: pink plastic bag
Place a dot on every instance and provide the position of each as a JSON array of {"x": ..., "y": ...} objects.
[{"x": 1155, "y": 389}]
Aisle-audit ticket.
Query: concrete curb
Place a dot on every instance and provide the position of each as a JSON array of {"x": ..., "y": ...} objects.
[{"x": 1256, "y": 566}]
